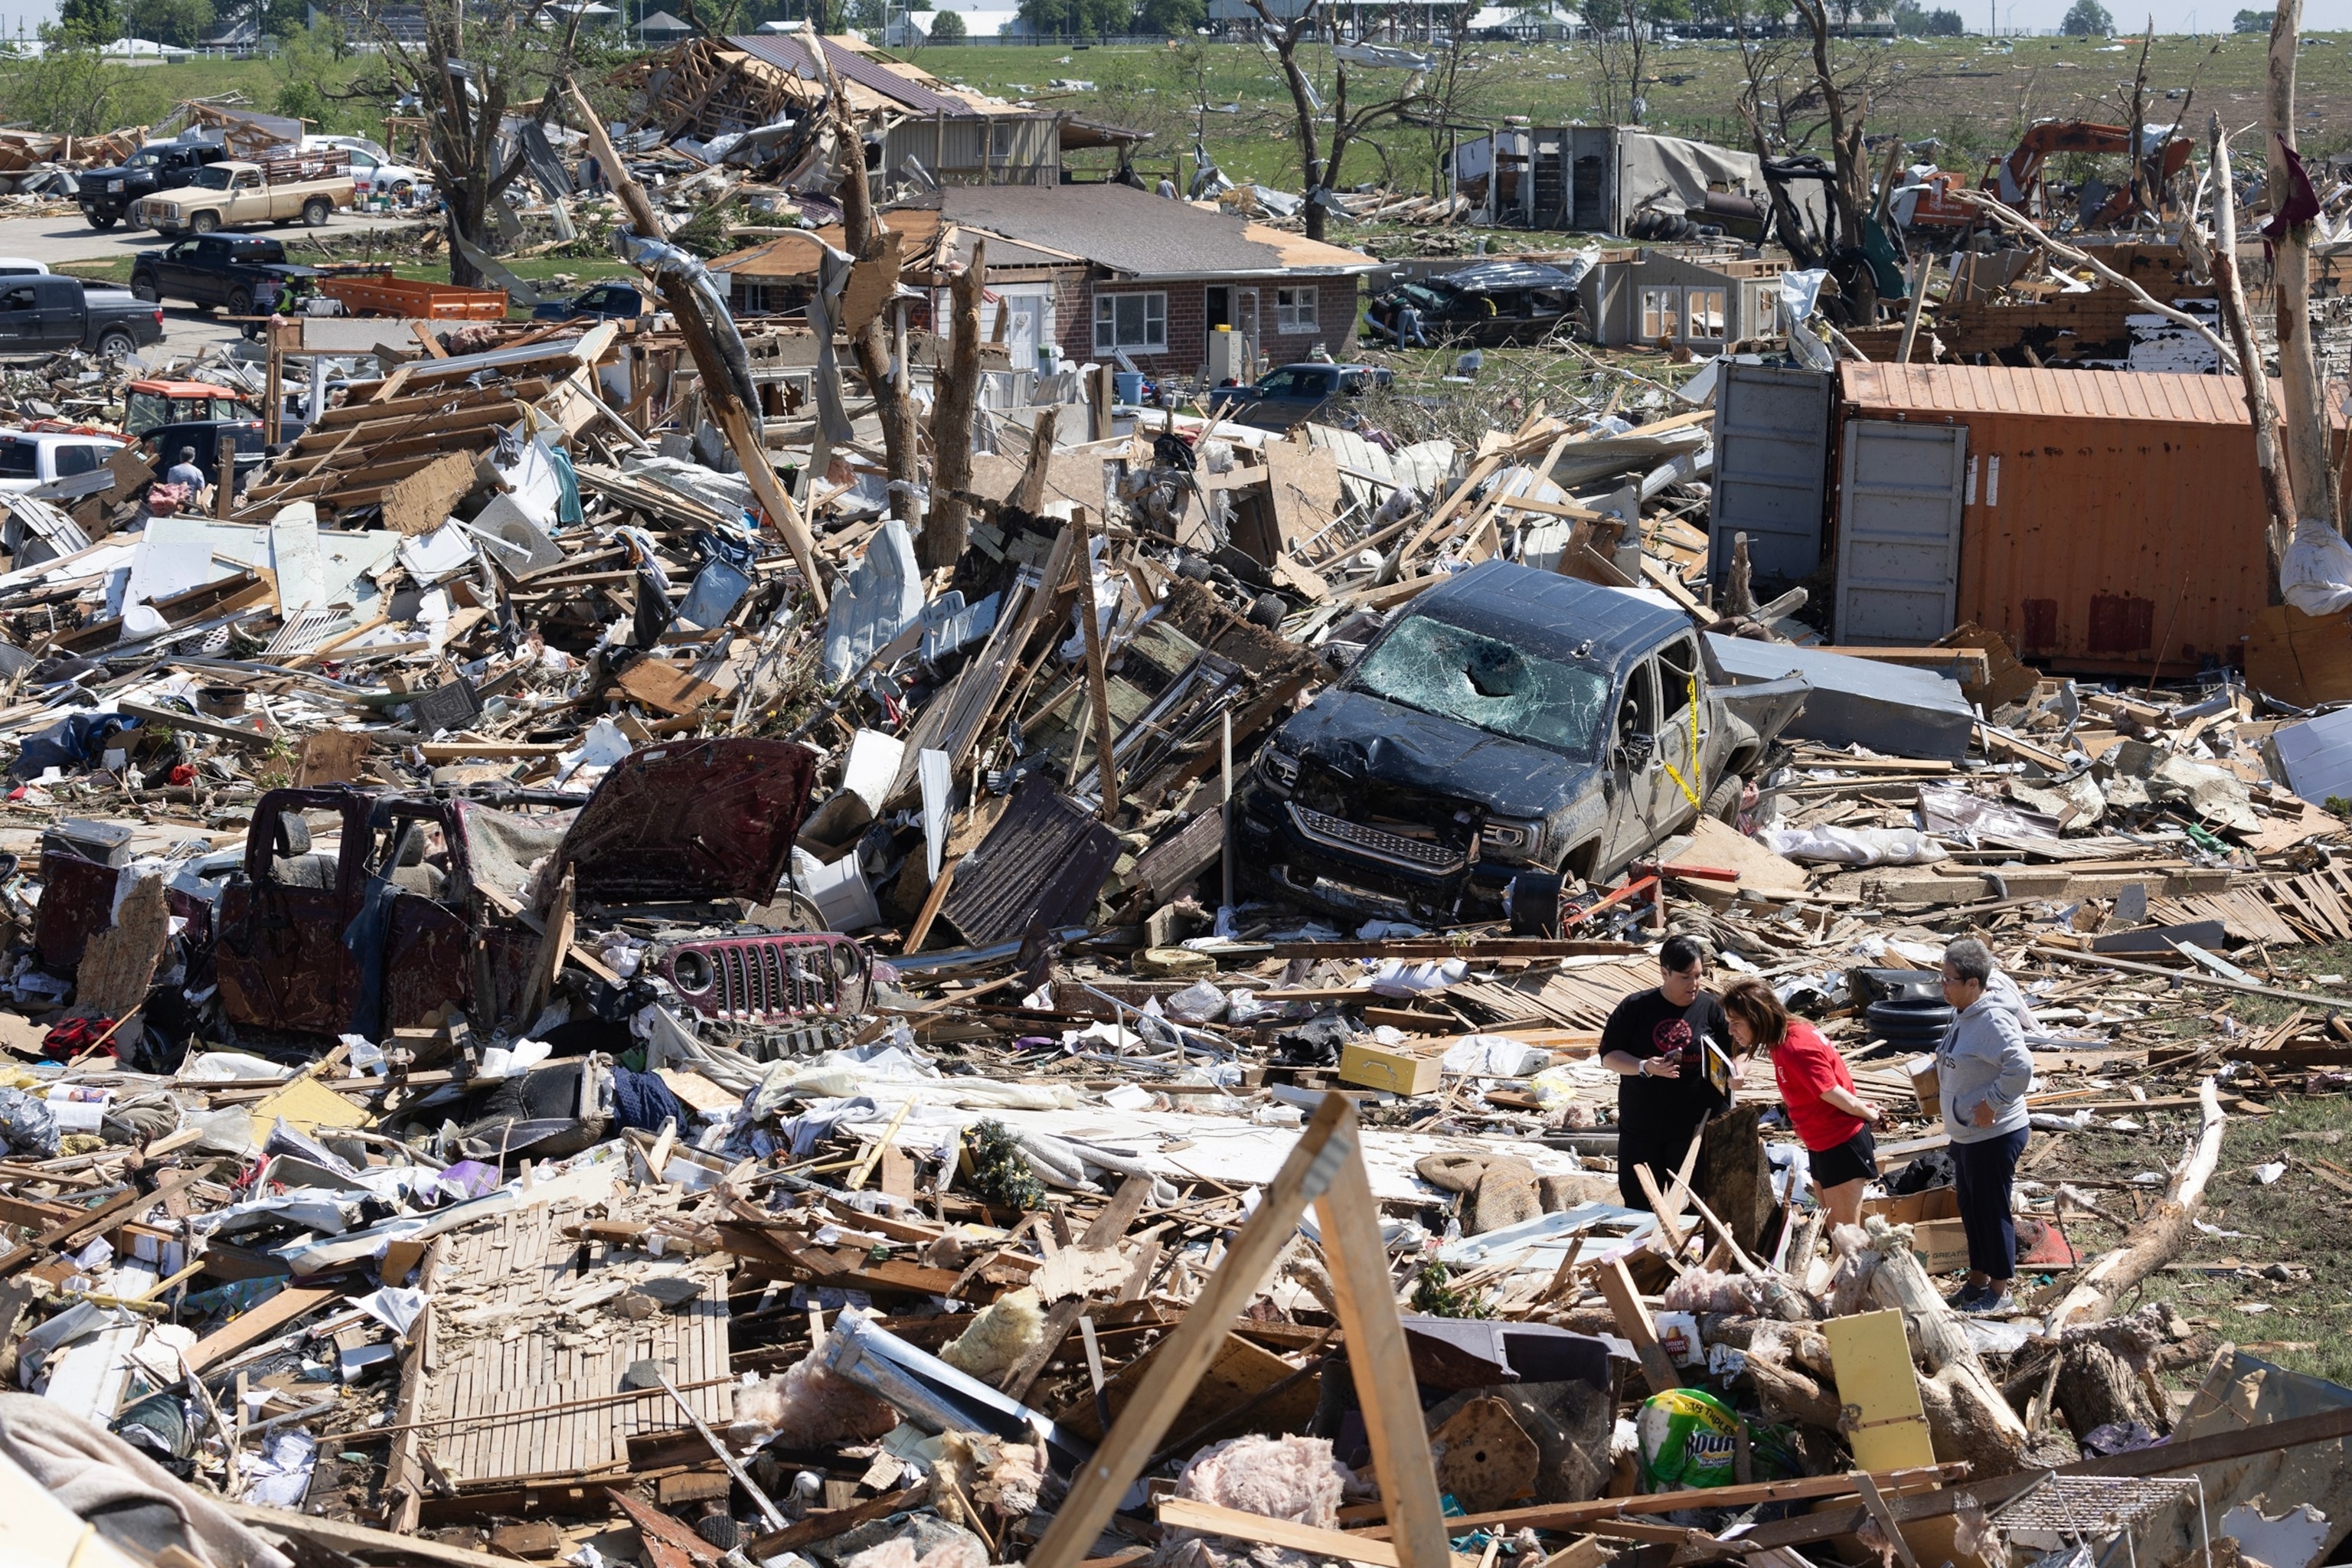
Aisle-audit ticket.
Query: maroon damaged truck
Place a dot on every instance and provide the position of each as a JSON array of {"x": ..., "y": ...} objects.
[{"x": 682, "y": 847}]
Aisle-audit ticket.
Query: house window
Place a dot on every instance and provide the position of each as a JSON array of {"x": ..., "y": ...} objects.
[
  {"x": 1130, "y": 321},
  {"x": 1702, "y": 313},
  {"x": 1660, "y": 307},
  {"x": 1294, "y": 309}
]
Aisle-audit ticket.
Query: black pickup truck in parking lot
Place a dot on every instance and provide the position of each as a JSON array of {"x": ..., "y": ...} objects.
[
  {"x": 236, "y": 272},
  {"x": 40, "y": 314}
]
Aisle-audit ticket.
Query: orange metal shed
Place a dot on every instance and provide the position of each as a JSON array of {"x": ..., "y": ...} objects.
[{"x": 2104, "y": 511}]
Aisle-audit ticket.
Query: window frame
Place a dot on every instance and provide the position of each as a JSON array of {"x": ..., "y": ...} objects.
[
  {"x": 1153, "y": 305},
  {"x": 1657, "y": 309},
  {"x": 1296, "y": 308},
  {"x": 1696, "y": 299}
]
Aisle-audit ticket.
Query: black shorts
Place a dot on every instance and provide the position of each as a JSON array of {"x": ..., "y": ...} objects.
[{"x": 1856, "y": 1159}]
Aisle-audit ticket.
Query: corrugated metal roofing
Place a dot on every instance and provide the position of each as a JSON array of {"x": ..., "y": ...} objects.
[
  {"x": 786, "y": 51},
  {"x": 1044, "y": 859},
  {"x": 2048, "y": 393}
]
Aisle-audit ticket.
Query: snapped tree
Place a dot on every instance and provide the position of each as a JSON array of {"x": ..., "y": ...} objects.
[
  {"x": 475, "y": 64},
  {"x": 1319, "y": 167}
]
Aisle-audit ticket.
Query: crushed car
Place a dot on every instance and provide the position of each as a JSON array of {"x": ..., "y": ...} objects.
[
  {"x": 1509, "y": 722},
  {"x": 1487, "y": 303},
  {"x": 351, "y": 909}
]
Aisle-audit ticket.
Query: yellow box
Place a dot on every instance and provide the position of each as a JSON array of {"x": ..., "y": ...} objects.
[{"x": 1380, "y": 1067}]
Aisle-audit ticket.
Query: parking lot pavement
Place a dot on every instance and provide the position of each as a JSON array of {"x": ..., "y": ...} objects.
[{"x": 55, "y": 240}]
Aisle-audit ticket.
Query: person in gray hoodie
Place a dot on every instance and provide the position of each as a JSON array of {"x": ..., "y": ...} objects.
[{"x": 1983, "y": 1070}]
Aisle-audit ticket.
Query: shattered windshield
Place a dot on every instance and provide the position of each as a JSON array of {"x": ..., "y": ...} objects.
[{"x": 1457, "y": 673}]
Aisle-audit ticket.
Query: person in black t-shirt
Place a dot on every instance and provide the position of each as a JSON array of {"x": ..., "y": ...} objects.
[{"x": 1658, "y": 1044}]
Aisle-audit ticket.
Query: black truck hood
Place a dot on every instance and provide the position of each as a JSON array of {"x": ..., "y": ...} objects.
[
  {"x": 1357, "y": 736},
  {"x": 692, "y": 822}
]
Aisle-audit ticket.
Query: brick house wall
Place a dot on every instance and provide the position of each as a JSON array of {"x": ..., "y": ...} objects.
[{"x": 1187, "y": 315}]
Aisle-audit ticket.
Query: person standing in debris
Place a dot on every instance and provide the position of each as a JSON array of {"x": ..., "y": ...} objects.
[
  {"x": 185, "y": 472},
  {"x": 1166, "y": 187},
  {"x": 1659, "y": 1043},
  {"x": 1983, "y": 1070},
  {"x": 1831, "y": 1120}
]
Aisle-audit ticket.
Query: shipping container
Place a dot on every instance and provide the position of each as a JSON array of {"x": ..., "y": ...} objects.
[{"x": 2104, "y": 520}]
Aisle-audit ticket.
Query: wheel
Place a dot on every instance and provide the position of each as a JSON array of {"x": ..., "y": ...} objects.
[
  {"x": 403, "y": 189},
  {"x": 143, "y": 290},
  {"x": 118, "y": 343},
  {"x": 240, "y": 302},
  {"x": 1723, "y": 800},
  {"x": 317, "y": 211},
  {"x": 205, "y": 223},
  {"x": 101, "y": 220}
]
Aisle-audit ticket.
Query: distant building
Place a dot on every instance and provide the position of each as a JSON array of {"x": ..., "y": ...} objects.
[{"x": 661, "y": 29}]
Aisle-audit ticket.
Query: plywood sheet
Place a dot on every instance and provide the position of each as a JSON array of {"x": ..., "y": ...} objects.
[{"x": 1874, "y": 1380}]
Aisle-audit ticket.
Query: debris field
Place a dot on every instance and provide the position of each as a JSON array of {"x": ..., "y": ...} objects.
[{"x": 774, "y": 917}]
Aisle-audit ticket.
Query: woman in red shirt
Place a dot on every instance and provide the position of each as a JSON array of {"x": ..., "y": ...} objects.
[{"x": 1833, "y": 1122}]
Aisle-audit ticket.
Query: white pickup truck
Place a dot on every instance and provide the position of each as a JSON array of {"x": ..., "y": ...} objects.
[{"x": 308, "y": 187}]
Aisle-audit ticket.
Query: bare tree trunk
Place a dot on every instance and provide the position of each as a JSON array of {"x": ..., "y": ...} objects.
[
  {"x": 1967, "y": 1415},
  {"x": 2307, "y": 465},
  {"x": 1850, "y": 191},
  {"x": 2252, "y": 377},
  {"x": 2156, "y": 1240},
  {"x": 1303, "y": 110},
  {"x": 862, "y": 233},
  {"x": 2143, "y": 187},
  {"x": 947, "y": 529},
  {"x": 1637, "y": 50}
]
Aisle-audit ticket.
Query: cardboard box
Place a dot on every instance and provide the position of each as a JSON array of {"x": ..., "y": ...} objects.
[
  {"x": 1384, "y": 1067},
  {"x": 1927, "y": 1083},
  {"x": 1937, "y": 1237}
]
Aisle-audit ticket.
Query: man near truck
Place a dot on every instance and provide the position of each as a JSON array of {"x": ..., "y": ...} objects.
[
  {"x": 185, "y": 472},
  {"x": 1659, "y": 1043}
]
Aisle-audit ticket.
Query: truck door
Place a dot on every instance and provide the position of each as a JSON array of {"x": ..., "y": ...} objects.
[
  {"x": 1677, "y": 792},
  {"x": 1633, "y": 758},
  {"x": 203, "y": 265},
  {"x": 20, "y": 319},
  {"x": 57, "y": 313}
]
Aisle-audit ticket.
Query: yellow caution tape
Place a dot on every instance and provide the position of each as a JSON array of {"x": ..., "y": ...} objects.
[{"x": 1689, "y": 793}]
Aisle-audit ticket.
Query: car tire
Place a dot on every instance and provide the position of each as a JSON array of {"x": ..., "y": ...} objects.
[
  {"x": 100, "y": 221},
  {"x": 403, "y": 189},
  {"x": 143, "y": 290},
  {"x": 1723, "y": 800},
  {"x": 118, "y": 343},
  {"x": 240, "y": 302},
  {"x": 317, "y": 211},
  {"x": 205, "y": 223}
]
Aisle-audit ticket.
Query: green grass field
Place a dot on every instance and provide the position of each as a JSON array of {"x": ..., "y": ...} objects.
[{"x": 1972, "y": 95}]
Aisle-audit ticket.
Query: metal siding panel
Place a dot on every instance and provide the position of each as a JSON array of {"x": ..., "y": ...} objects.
[
  {"x": 1044, "y": 859},
  {"x": 1771, "y": 456},
  {"x": 2093, "y": 517},
  {"x": 1899, "y": 531}
]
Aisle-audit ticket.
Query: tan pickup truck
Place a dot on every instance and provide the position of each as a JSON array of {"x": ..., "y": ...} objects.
[{"x": 238, "y": 195}]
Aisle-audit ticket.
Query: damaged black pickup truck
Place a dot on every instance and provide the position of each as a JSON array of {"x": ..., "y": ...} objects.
[
  {"x": 1508, "y": 721},
  {"x": 423, "y": 902}
]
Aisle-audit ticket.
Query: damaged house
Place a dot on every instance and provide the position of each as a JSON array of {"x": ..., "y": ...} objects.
[
  {"x": 1103, "y": 272},
  {"x": 753, "y": 98}
]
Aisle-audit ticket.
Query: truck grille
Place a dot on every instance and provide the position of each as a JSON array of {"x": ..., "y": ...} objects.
[
  {"x": 762, "y": 977},
  {"x": 1354, "y": 837}
]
